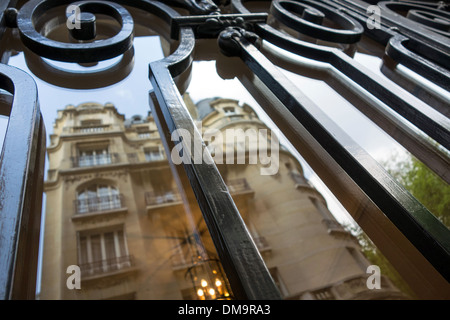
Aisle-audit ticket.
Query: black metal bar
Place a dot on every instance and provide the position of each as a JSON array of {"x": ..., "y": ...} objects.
[
  {"x": 398, "y": 51},
  {"x": 207, "y": 26},
  {"x": 245, "y": 269},
  {"x": 424, "y": 230},
  {"x": 21, "y": 184}
]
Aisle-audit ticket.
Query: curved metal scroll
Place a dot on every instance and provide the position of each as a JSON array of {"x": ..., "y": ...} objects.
[
  {"x": 75, "y": 52},
  {"x": 21, "y": 185}
]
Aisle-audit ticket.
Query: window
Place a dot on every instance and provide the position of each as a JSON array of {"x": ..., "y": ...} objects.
[
  {"x": 98, "y": 198},
  {"x": 153, "y": 154},
  {"x": 102, "y": 251},
  {"x": 144, "y": 132},
  {"x": 161, "y": 197},
  {"x": 229, "y": 110},
  {"x": 167, "y": 196},
  {"x": 94, "y": 157},
  {"x": 93, "y": 125},
  {"x": 144, "y": 135}
]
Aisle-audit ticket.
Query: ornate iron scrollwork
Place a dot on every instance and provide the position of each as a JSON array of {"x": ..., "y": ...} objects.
[
  {"x": 310, "y": 23},
  {"x": 75, "y": 52},
  {"x": 417, "y": 38}
]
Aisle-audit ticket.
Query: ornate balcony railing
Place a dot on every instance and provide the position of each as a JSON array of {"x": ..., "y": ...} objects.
[
  {"x": 135, "y": 158},
  {"x": 98, "y": 204},
  {"x": 154, "y": 199},
  {"x": 105, "y": 266},
  {"x": 95, "y": 160},
  {"x": 88, "y": 129}
]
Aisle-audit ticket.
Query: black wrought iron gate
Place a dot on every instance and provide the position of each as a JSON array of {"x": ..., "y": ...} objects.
[{"x": 414, "y": 34}]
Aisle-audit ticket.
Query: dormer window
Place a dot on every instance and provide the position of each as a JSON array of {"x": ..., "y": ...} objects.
[
  {"x": 91, "y": 125},
  {"x": 229, "y": 110}
]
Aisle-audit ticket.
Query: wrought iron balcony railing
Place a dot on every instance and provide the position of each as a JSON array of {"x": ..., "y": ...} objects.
[
  {"x": 95, "y": 160},
  {"x": 98, "y": 204},
  {"x": 103, "y": 267},
  {"x": 135, "y": 158},
  {"x": 154, "y": 199},
  {"x": 88, "y": 129}
]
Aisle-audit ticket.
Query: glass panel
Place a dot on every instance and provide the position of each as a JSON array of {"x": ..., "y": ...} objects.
[
  {"x": 302, "y": 232},
  {"x": 96, "y": 248},
  {"x": 110, "y": 249},
  {"x": 313, "y": 230},
  {"x": 83, "y": 250}
]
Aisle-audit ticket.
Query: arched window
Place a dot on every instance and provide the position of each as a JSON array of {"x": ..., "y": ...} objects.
[{"x": 98, "y": 197}]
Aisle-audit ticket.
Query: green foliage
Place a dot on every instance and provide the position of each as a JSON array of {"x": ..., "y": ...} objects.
[
  {"x": 425, "y": 186},
  {"x": 377, "y": 258}
]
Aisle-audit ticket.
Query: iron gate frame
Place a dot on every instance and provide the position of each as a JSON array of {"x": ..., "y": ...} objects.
[{"x": 416, "y": 242}]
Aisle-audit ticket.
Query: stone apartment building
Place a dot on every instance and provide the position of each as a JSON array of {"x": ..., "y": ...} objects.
[{"x": 114, "y": 209}]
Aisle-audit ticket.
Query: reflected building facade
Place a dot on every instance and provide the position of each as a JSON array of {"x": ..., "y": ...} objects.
[{"x": 114, "y": 209}]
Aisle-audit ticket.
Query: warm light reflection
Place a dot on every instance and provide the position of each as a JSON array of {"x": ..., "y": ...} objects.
[
  {"x": 208, "y": 280},
  {"x": 201, "y": 294}
]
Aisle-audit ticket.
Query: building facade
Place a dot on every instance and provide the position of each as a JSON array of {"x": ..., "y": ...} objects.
[{"x": 115, "y": 210}]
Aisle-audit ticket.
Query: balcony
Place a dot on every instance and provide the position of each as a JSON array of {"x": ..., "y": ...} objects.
[
  {"x": 88, "y": 129},
  {"x": 145, "y": 157},
  {"x": 98, "y": 204},
  {"x": 304, "y": 185},
  {"x": 95, "y": 160},
  {"x": 156, "y": 201},
  {"x": 299, "y": 180},
  {"x": 107, "y": 267},
  {"x": 354, "y": 287}
]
